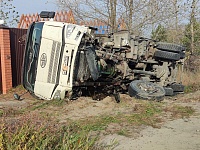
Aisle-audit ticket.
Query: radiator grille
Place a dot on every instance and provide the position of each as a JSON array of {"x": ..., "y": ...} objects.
[
  {"x": 54, "y": 61},
  {"x": 51, "y": 62}
]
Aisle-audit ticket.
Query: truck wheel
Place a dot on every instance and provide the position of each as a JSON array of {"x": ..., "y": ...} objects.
[
  {"x": 170, "y": 47},
  {"x": 169, "y": 91},
  {"x": 177, "y": 87},
  {"x": 182, "y": 55},
  {"x": 167, "y": 55},
  {"x": 146, "y": 90}
]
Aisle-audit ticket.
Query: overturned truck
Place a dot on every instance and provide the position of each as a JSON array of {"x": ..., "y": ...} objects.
[{"x": 64, "y": 60}]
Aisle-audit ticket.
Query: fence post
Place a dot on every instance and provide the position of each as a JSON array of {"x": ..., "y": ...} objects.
[{"x": 5, "y": 58}]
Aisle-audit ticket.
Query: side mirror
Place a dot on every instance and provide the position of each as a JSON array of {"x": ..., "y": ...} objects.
[{"x": 16, "y": 96}]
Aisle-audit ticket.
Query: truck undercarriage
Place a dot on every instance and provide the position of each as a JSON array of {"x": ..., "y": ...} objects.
[{"x": 109, "y": 63}]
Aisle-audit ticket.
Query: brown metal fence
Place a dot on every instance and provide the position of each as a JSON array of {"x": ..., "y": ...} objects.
[
  {"x": 0, "y": 76},
  {"x": 17, "y": 52}
]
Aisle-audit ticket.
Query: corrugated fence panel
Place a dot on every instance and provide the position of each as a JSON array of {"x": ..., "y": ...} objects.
[{"x": 17, "y": 52}]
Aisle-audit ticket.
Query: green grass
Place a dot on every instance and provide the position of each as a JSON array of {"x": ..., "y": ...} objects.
[
  {"x": 191, "y": 88},
  {"x": 11, "y": 112},
  {"x": 37, "y": 133},
  {"x": 123, "y": 132},
  {"x": 98, "y": 123},
  {"x": 182, "y": 111},
  {"x": 146, "y": 114},
  {"x": 40, "y": 104},
  {"x": 1, "y": 113}
]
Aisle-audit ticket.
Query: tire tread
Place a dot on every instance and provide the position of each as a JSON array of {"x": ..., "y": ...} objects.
[
  {"x": 170, "y": 47},
  {"x": 167, "y": 55}
]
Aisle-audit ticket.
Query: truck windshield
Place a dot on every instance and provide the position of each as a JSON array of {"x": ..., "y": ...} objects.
[{"x": 31, "y": 55}]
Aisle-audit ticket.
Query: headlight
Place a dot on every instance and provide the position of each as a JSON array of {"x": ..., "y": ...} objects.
[
  {"x": 57, "y": 95},
  {"x": 70, "y": 29}
]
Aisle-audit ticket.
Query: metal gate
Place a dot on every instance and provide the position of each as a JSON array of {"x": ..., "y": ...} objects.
[{"x": 17, "y": 52}]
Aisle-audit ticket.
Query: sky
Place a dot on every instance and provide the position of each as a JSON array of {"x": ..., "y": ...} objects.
[{"x": 33, "y": 6}]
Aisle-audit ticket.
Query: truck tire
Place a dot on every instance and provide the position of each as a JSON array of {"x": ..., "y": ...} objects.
[
  {"x": 170, "y": 47},
  {"x": 167, "y": 55},
  {"x": 182, "y": 55},
  {"x": 177, "y": 87},
  {"x": 169, "y": 91},
  {"x": 146, "y": 90}
]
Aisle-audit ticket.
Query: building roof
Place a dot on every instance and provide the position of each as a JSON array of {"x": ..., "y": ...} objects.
[{"x": 62, "y": 16}]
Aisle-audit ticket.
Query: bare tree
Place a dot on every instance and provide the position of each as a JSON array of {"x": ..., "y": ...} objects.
[
  {"x": 113, "y": 7},
  {"x": 140, "y": 16},
  {"x": 126, "y": 9},
  {"x": 104, "y": 10},
  {"x": 192, "y": 21},
  {"x": 8, "y": 12},
  {"x": 175, "y": 30}
]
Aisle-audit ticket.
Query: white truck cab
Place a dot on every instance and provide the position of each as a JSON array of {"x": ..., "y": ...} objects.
[{"x": 49, "y": 58}]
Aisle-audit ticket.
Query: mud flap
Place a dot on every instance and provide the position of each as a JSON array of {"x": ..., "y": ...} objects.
[{"x": 92, "y": 62}]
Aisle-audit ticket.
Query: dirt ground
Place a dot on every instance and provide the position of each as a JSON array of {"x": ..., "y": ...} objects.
[
  {"x": 180, "y": 134},
  {"x": 172, "y": 134}
]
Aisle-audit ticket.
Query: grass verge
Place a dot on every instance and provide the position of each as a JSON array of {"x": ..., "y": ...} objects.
[{"x": 31, "y": 130}]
